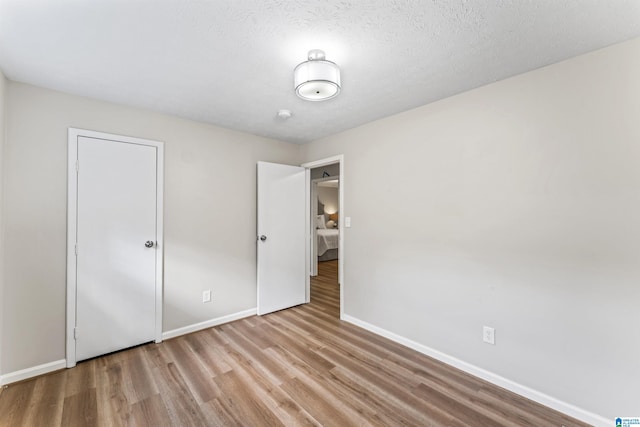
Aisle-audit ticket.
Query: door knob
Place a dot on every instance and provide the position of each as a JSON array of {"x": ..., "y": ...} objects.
[
  {"x": 263, "y": 237},
  {"x": 149, "y": 244}
]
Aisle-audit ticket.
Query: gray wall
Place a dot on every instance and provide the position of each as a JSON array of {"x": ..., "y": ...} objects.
[
  {"x": 210, "y": 210},
  {"x": 515, "y": 205},
  {"x": 328, "y": 196},
  {"x": 3, "y": 85}
]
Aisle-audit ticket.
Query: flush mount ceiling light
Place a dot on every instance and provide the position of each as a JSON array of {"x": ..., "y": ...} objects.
[{"x": 317, "y": 79}]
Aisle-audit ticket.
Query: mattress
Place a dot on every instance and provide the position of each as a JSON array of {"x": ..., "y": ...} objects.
[{"x": 327, "y": 239}]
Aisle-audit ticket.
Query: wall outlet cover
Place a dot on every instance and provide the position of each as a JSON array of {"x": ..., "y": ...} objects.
[
  {"x": 489, "y": 335},
  {"x": 206, "y": 296}
]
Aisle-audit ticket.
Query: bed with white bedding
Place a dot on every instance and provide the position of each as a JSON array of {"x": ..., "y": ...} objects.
[
  {"x": 327, "y": 244},
  {"x": 326, "y": 236}
]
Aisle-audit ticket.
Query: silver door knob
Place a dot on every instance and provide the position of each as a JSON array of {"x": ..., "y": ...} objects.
[
  {"x": 149, "y": 244},
  {"x": 263, "y": 237}
]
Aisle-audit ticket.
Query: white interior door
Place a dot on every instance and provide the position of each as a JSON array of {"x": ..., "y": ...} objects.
[
  {"x": 282, "y": 214},
  {"x": 116, "y": 245}
]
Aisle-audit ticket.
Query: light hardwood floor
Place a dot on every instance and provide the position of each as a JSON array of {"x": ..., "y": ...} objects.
[{"x": 301, "y": 366}]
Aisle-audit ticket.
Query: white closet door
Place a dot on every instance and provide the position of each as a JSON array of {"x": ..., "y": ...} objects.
[{"x": 116, "y": 246}]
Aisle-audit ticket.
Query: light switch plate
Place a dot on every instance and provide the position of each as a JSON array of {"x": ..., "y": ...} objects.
[
  {"x": 347, "y": 221},
  {"x": 206, "y": 296}
]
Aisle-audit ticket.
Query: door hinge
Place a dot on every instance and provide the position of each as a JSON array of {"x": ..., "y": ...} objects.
[{"x": 75, "y": 333}]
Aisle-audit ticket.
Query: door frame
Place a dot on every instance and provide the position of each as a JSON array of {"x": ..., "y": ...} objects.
[
  {"x": 310, "y": 225},
  {"x": 72, "y": 195}
]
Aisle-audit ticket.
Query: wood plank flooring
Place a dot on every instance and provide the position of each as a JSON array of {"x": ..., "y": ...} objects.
[{"x": 301, "y": 366}]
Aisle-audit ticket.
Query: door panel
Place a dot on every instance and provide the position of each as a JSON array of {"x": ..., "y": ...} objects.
[
  {"x": 116, "y": 272},
  {"x": 281, "y": 219}
]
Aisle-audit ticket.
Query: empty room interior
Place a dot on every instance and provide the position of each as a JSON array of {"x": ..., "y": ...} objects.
[{"x": 272, "y": 212}]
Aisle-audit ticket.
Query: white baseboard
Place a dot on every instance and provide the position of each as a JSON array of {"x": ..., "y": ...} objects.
[
  {"x": 34, "y": 371},
  {"x": 498, "y": 380},
  {"x": 45, "y": 368},
  {"x": 208, "y": 324}
]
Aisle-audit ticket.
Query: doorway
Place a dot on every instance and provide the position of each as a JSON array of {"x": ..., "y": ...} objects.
[
  {"x": 114, "y": 252},
  {"x": 325, "y": 209},
  {"x": 334, "y": 168}
]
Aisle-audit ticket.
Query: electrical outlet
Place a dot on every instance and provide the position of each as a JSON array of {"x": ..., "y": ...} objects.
[
  {"x": 206, "y": 296},
  {"x": 489, "y": 335}
]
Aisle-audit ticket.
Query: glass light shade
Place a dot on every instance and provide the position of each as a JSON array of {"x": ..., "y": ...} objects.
[{"x": 317, "y": 80}]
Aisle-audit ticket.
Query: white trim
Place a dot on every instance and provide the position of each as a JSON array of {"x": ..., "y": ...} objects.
[
  {"x": 323, "y": 162},
  {"x": 25, "y": 374},
  {"x": 308, "y": 249},
  {"x": 209, "y": 323},
  {"x": 159, "y": 237},
  {"x": 72, "y": 216},
  {"x": 313, "y": 232},
  {"x": 529, "y": 393},
  {"x": 72, "y": 193}
]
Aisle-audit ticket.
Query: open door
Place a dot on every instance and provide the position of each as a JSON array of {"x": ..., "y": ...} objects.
[{"x": 282, "y": 245}]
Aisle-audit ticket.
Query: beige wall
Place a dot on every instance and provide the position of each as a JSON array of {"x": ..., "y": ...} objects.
[
  {"x": 515, "y": 205},
  {"x": 209, "y": 215},
  {"x": 328, "y": 196},
  {"x": 3, "y": 85}
]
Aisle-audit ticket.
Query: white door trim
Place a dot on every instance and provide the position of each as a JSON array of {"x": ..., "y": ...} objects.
[
  {"x": 315, "y": 164},
  {"x": 72, "y": 194}
]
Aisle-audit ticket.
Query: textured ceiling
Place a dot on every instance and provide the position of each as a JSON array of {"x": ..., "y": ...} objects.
[{"x": 230, "y": 63}]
